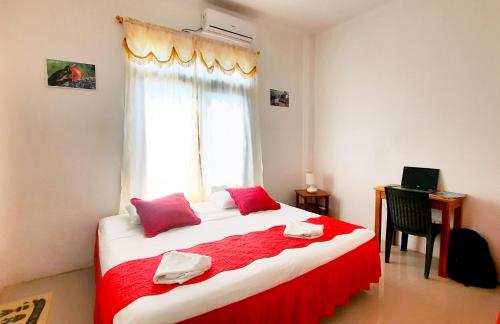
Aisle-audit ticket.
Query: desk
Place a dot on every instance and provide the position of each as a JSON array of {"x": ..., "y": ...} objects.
[{"x": 446, "y": 205}]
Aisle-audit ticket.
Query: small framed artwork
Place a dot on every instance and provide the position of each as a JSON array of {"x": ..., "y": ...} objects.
[
  {"x": 279, "y": 98},
  {"x": 70, "y": 74}
]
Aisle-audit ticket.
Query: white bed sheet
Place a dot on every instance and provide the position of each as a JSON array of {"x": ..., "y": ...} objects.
[{"x": 120, "y": 241}]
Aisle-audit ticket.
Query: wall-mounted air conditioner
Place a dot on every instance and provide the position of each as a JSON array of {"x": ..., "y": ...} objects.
[{"x": 222, "y": 25}]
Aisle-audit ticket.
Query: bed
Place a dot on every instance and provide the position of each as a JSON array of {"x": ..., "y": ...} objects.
[{"x": 298, "y": 285}]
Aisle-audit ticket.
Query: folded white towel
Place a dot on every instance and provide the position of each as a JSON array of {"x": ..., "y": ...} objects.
[
  {"x": 303, "y": 230},
  {"x": 179, "y": 267}
]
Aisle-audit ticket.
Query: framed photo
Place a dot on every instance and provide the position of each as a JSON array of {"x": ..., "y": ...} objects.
[
  {"x": 70, "y": 74},
  {"x": 279, "y": 98}
]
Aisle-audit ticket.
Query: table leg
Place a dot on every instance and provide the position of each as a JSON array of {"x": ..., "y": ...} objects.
[
  {"x": 445, "y": 241},
  {"x": 378, "y": 215},
  {"x": 297, "y": 200},
  {"x": 327, "y": 204},
  {"x": 457, "y": 218}
]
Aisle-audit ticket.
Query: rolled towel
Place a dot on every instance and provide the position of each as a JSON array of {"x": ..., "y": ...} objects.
[
  {"x": 303, "y": 230},
  {"x": 179, "y": 267}
]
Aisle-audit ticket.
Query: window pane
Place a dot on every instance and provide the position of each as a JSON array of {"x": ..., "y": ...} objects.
[
  {"x": 171, "y": 131},
  {"x": 223, "y": 140},
  {"x": 224, "y": 129}
]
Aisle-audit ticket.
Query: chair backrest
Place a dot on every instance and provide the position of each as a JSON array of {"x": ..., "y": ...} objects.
[{"x": 409, "y": 210}]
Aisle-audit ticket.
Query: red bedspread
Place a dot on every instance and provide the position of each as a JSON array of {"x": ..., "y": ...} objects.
[
  {"x": 131, "y": 280},
  {"x": 308, "y": 298}
]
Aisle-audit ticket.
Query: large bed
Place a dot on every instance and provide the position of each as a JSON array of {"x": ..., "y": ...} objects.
[{"x": 298, "y": 285}]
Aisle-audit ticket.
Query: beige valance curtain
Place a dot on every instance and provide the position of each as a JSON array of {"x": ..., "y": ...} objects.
[{"x": 147, "y": 42}]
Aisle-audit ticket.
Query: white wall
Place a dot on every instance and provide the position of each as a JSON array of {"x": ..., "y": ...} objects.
[
  {"x": 3, "y": 168},
  {"x": 62, "y": 147},
  {"x": 280, "y": 67},
  {"x": 308, "y": 105},
  {"x": 412, "y": 83},
  {"x": 60, "y": 153}
]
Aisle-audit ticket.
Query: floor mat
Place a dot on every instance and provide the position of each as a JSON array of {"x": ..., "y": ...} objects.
[{"x": 30, "y": 310}]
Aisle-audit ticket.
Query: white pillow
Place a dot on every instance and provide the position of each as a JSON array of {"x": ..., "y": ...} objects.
[
  {"x": 132, "y": 215},
  {"x": 222, "y": 199},
  {"x": 218, "y": 188}
]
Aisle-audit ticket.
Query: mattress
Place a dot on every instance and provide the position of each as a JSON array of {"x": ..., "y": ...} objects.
[{"x": 121, "y": 241}]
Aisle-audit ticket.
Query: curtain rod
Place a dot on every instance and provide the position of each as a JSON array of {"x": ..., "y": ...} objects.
[{"x": 120, "y": 19}]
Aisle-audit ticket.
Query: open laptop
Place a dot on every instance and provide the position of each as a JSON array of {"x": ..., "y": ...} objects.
[{"x": 423, "y": 179}]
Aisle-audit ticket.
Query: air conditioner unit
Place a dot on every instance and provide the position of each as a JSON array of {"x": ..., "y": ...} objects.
[{"x": 222, "y": 25}]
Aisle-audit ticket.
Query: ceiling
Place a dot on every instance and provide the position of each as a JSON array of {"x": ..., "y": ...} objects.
[{"x": 311, "y": 15}]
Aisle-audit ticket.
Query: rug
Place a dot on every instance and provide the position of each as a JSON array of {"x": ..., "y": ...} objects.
[{"x": 30, "y": 310}]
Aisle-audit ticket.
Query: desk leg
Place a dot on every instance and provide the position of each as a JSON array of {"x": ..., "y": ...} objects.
[
  {"x": 378, "y": 216},
  {"x": 445, "y": 241},
  {"x": 457, "y": 218}
]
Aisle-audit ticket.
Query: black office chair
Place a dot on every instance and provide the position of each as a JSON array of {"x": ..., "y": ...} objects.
[{"x": 409, "y": 211}]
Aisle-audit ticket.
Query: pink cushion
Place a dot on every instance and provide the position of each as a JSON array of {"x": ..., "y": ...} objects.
[
  {"x": 252, "y": 199},
  {"x": 164, "y": 213}
]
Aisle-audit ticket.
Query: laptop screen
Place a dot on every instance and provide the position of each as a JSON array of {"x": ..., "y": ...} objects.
[{"x": 420, "y": 178}]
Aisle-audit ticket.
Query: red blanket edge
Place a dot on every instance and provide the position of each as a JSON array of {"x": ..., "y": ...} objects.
[
  {"x": 319, "y": 291},
  {"x": 308, "y": 298}
]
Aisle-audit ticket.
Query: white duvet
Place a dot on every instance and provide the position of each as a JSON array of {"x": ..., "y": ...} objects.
[{"x": 121, "y": 241}]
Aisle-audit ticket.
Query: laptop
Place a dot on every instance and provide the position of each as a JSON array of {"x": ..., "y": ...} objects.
[{"x": 423, "y": 179}]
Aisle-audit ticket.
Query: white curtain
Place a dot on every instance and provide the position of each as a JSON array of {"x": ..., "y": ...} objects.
[
  {"x": 229, "y": 142},
  {"x": 186, "y": 130}
]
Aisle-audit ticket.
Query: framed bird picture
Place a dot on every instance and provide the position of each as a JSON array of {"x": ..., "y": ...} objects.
[{"x": 70, "y": 74}]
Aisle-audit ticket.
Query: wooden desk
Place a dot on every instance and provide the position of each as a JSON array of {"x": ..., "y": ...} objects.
[{"x": 446, "y": 205}]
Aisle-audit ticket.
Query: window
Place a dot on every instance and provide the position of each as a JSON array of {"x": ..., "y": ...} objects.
[
  {"x": 225, "y": 103},
  {"x": 187, "y": 130}
]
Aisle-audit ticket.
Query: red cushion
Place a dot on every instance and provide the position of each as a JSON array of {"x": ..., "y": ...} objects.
[
  {"x": 164, "y": 213},
  {"x": 252, "y": 199}
]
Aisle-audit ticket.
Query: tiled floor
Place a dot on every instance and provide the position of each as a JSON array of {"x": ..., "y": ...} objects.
[
  {"x": 405, "y": 296},
  {"x": 402, "y": 296}
]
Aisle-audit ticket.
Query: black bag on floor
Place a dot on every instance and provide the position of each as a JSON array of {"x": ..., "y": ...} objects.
[{"x": 469, "y": 260}]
